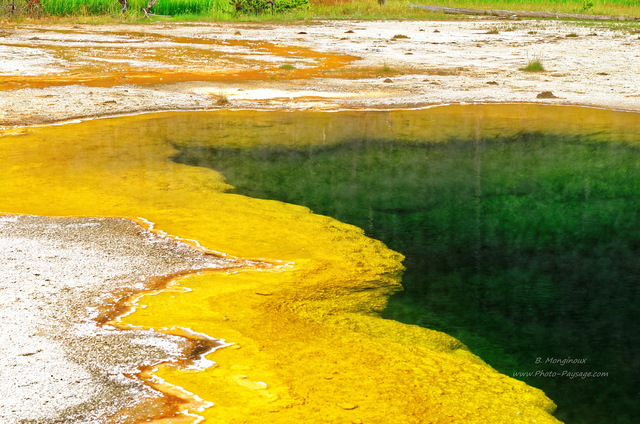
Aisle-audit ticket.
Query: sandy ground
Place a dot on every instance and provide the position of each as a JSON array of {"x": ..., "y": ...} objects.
[
  {"x": 53, "y": 73},
  {"x": 56, "y": 363},
  {"x": 54, "y": 273}
]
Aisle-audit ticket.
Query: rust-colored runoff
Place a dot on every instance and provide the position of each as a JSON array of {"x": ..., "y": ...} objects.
[{"x": 185, "y": 59}]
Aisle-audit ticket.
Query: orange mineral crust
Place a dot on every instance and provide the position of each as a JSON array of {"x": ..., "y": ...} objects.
[{"x": 150, "y": 59}]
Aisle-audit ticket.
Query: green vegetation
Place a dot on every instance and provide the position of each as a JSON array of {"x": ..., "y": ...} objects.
[
  {"x": 522, "y": 247},
  {"x": 386, "y": 71},
  {"x": 287, "y": 67},
  {"x": 107, "y": 7},
  {"x": 534, "y": 65},
  {"x": 184, "y": 9},
  {"x": 307, "y": 9},
  {"x": 258, "y": 7}
]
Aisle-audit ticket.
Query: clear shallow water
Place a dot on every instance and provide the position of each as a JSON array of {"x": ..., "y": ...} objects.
[{"x": 522, "y": 240}]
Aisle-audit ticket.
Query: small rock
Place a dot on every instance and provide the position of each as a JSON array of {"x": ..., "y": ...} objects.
[
  {"x": 302, "y": 32},
  {"x": 244, "y": 381},
  {"x": 349, "y": 32},
  {"x": 492, "y": 83},
  {"x": 271, "y": 397},
  {"x": 348, "y": 406},
  {"x": 546, "y": 95},
  {"x": 388, "y": 80}
]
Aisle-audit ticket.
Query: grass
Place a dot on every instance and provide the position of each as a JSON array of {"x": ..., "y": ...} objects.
[
  {"x": 611, "y": 7},
  {"x": 534, "y": 65},
  {"x": 387, "y": 71},
  {"x": 400, "y": 8},
  {"x": 328, "y": 9},
  {"x": 107, "y": 7},
  {"x": 223, "y": 100}
]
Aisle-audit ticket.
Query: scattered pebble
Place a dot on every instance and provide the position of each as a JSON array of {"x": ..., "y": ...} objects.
[
  {"x": 546, "y": 95},
  {"x": 348, "y": 406}
]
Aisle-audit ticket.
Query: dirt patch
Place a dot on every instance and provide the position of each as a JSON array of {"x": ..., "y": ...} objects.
[{"x": 53, "y": 73}]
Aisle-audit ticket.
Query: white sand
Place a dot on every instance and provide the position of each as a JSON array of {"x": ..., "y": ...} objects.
[{"x": 56, "y": 363}]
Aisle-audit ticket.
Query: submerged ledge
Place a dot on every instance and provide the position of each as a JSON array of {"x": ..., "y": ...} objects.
[{"x": 308, "y": 344}]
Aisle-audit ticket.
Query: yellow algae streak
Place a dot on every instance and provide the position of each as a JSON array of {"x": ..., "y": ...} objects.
[{"x": 308, "y": 344}]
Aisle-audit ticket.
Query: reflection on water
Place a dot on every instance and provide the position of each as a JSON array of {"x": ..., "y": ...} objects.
[{"x": 522, "y": 240}]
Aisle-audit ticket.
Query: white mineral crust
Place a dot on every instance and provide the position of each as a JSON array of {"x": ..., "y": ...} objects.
[{"x": 56, "y": 363}]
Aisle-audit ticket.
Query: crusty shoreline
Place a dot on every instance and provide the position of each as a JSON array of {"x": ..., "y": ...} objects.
[
  {"x": 440, "y": 62},
  {"x": 57, "y": 363}
]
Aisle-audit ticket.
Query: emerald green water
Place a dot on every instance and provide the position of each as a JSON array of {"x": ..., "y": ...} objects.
[{"x": 526, "y": 247}]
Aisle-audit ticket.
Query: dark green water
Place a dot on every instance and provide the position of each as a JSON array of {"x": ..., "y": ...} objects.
[{"x": 526, "y": 248}]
